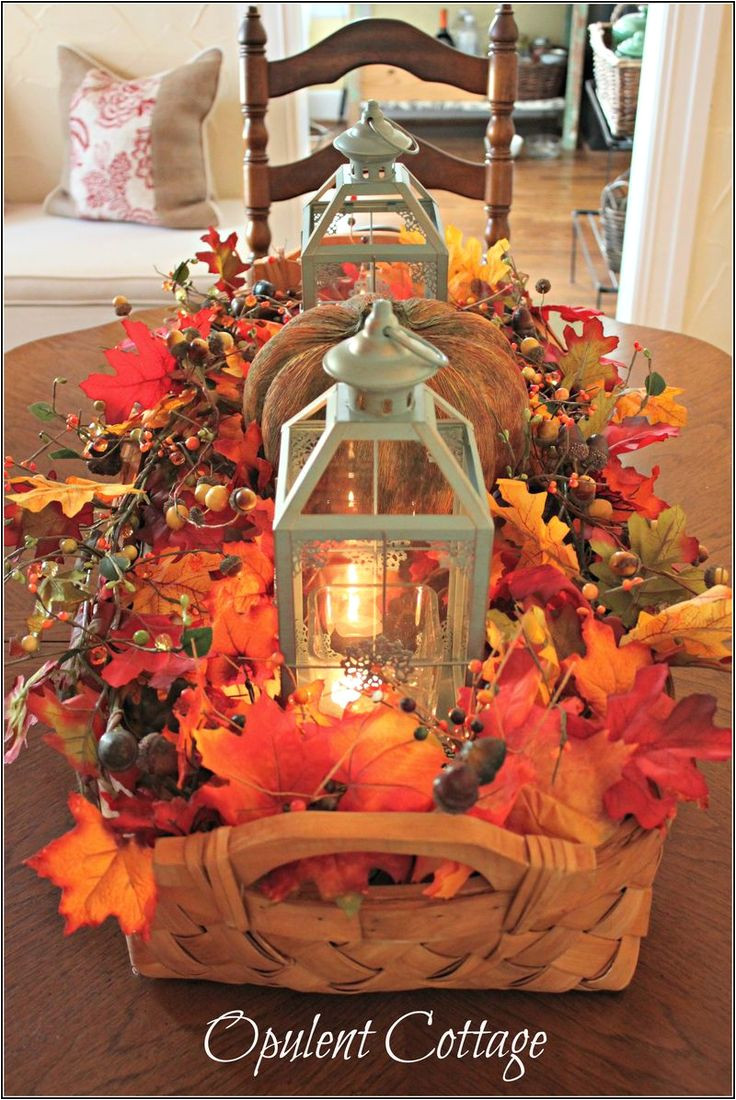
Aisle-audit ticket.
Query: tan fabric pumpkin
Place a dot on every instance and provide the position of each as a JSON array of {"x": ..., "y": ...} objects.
[{"x": 482, "y": 382}]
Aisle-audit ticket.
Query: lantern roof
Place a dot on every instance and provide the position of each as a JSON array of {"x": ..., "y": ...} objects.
[
  {"x": 374, "y": 137},
  {"x": 384, "y": 357}
]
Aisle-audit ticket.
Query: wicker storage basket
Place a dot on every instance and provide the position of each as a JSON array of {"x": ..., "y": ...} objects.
[
  {"x": 543, "y": 915},
  {"x": 616, "y": 81},
  {"x": 613, "y": 216},
  {"x": 540, "y": 81}
]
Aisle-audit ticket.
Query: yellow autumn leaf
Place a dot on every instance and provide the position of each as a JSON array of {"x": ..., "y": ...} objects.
[
  {"x": 71, "y": 494},
  {"x": 466, "y": 261},
  {"x": 700, "y": 627},
  {"x": 662, "y": 409},
  {"x": 536, "y": 634},
  {"x": 163, "y": 582},
  {"x": 540, "y": 543}
]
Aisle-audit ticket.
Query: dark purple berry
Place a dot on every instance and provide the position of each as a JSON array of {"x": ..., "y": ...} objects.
[
  {"x": 408, "y": 704},
  {"x": 457, "y": 716},
  {"x": 476, "y": 726},
  {"x": 456, "y": 789},
  {"x": 421, "y": 733},
  {"x": 264, "y": 289},
  {"x": 485, "y": 757},
  {"x": 238, "y": 720},
  {"x": 117, "y": 750}
]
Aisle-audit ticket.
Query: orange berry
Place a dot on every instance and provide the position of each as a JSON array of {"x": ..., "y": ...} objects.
[
  {"x": 193, "y": 443},
  {"x": 47, "y": 624},
  {"x": 29, "y": 643},
  {"x": 217, "y": 498},
  {"x": 130, "y": 552},
  {"x": 485, "y": 696},
  {"x": 600, "y": 609},
  {"x": 590, "y": 591},
  {"x": 63, "y": 616},
  {"x": 552, "y": 487},
  {"x": 301, "y": 696},
  {"x": 475, "y": 667},
  {"x": 562, "y": 394}
]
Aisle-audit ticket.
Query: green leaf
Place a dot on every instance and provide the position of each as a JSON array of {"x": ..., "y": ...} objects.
[
  {"x": 658, "y": 542},
  {"x": 604, "y": 405},
  {"x": 654, "y": 384},
  {"x": 65, "y": 452},
  {"x": 43, "y": 411},
  {"x": 197, "y": 641},
  {"x": 180, "y": 274}
]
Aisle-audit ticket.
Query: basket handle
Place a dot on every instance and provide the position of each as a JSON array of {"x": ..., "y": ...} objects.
[{"x": 501, "y": 857}]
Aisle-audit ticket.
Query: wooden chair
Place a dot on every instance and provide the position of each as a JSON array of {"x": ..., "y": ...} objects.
[{"x": 369, "y": 42}]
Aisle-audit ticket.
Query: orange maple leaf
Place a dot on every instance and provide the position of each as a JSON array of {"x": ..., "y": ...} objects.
[
  {"x": 99, "y": 875},
  {"x": 583, "y": 364},
  {"x": 540, "y": 543},
  {"x": 382, "y": 764},
  {"x": 606, "y": 669},
  {"x": 163, "y": 581},
  {"x": 244, "y": 620},
  {"x": 74, "y": 724}
]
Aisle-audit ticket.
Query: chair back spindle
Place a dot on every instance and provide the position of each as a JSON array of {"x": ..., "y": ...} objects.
[{"x": 371, "y": 42}]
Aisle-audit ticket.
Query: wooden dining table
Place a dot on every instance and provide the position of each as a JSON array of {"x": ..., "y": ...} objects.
[{"x": 79, "y": 1022}]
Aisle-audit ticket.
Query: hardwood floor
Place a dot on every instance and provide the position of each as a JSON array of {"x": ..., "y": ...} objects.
[{"x": 545, "y": 194}]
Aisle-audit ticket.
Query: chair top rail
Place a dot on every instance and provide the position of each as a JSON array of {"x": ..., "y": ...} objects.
[
  {"x": 436, "y": 169},
  {"x": 378, "y": 42}
]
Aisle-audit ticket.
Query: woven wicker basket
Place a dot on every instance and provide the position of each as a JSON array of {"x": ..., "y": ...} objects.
[
  {"x": 543, "y": 915},
  {"x": 613, "y": 216},
  {"x": 540, "y": 81},
  {"x": 616, "y": 81}
]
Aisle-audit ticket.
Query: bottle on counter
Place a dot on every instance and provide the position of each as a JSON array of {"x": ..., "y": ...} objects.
[
  {"x": 443, "y": 34},
  {"x": 465, "y": 32}
]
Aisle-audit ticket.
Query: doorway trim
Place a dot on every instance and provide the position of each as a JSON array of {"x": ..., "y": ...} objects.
[{"x": 675, "y": 93}]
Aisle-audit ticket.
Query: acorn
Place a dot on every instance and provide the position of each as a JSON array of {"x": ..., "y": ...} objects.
[
  {"x": 157, "y": 756},
  {"x": 716, "y": 574},
  {"x": 456, "y": 789},
  {"x": 198, "y": 350},
  {"x": 584, "y": 491},
  {"x": 243, "y": 499},
  {"x": 485, "y": 757},
  {"x": 121, "y": 305},
  {"x": 575, "y": 445},
  {"x": 106, "y": 456},
  {"x": 600, "y": 509},
  {"x": 117, "y": 749},
  {"x": 522, "y": 322},
  {"x": 543, "y": 286},
  {"x": 597, "y": 456},
  {"x": 703, "y": 553},
  {"x": 220, "y": 342},
  {"x": 547, "y": 433},
  {"x": 624, "y": 563}
]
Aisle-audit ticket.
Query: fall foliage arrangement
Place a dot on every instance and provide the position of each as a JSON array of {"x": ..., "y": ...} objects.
[{"x": 165, "y": 688}]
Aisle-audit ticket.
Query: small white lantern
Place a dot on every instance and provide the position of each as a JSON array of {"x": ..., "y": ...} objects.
[
  {"x": 350, "y": 240},
  {"x": 372, "y": 585}
]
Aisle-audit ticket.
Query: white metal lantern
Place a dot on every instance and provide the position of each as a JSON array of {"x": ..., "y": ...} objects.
[
  {"x": 372, "y": 586},
  {"x": 350, "y": 240}
]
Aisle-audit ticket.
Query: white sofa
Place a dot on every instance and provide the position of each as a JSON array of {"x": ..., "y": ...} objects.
[{"x": 61, "y": 274}]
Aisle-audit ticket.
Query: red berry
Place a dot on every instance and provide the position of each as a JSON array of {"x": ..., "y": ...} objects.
[{"x": 193, "y": 443}]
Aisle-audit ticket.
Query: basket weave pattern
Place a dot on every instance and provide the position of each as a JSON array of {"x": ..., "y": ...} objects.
[
  {"x": 540, "y": 81},
  {"x": 616, "y": 81},
  {"x": 546, "y": 915}
]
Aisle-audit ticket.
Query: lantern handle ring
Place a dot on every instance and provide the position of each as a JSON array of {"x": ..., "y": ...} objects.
[
  {"x": 413, "y": 147},
  {"x": 418, "y": 346}
]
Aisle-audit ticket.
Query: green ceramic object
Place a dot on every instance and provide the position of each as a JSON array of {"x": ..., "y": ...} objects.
[
  {"x": 627, "y": 25},
  {"x": 633, "y": 47}
]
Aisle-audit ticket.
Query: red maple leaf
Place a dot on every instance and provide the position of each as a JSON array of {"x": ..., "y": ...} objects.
[
  {"x": 667, "y": 737},
  {"x": 635, "y": 490},
  {"x": 141, "y": 375},
  {"x": 636, "y": 432},
  {"x": 571, "y": 313},
  {"x": 223, "y": 259},
  {"x": 129, "y": 662}
]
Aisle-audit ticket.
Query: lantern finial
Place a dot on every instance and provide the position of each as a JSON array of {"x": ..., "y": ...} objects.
[
  {"x": 383, "y": 358},
  {"x": 373, "y": 144}
]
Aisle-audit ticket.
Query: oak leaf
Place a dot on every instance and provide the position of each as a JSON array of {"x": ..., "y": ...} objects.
[
  {"x": 223, "y": 260},
  {"x": 99, "y": 875},
  {"x": 540, "y": 543},
  {"x": 662, "y": 409},
  {"x": 699, "y": 628},
  {"x": 583, "y": 364},
  {"x": 142, "y": 376},
  {"x": 72, "y": 495}
]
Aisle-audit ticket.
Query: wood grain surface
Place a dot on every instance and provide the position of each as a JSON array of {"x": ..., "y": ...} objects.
[{"x": 79, "y": 1022}]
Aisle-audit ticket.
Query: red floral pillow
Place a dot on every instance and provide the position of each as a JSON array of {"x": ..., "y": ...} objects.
[{"x": 135, "y": 150}]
